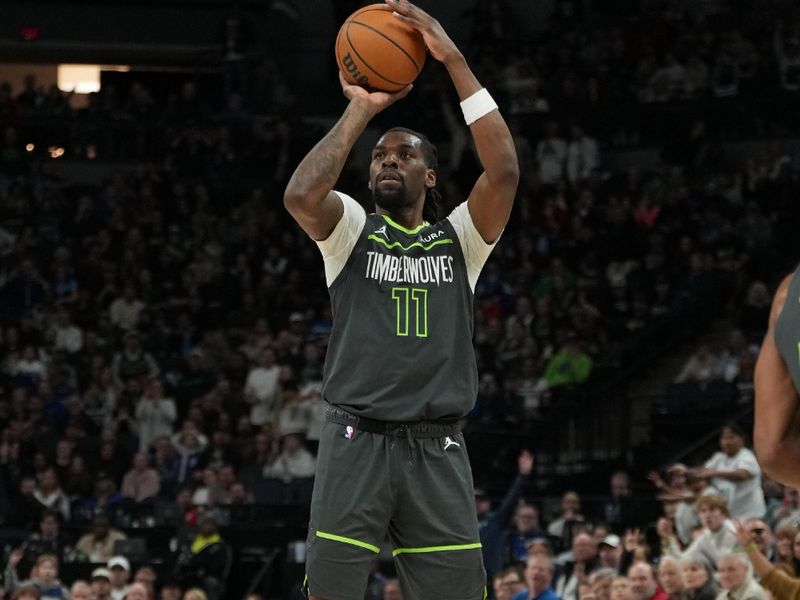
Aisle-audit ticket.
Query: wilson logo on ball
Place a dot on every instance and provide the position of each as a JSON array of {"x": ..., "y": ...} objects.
[{"x": 351, "y": 68}]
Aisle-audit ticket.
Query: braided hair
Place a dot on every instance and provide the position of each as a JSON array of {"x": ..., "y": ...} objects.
[{"x": 433, "y": 199}]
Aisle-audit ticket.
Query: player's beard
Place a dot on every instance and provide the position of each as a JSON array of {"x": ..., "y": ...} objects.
[{"x": 390, "y": 200}]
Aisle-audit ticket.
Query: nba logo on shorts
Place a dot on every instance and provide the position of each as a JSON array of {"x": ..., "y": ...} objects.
[{"x": 349, "y": 432}]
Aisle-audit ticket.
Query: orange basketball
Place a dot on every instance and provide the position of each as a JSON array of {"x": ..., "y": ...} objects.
[{"x": 378, "y": 51}]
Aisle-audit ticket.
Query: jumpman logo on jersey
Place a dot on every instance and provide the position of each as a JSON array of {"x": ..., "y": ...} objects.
[
  {"x": 383, "y": 231},
  {"x": 449, "y": 442}
]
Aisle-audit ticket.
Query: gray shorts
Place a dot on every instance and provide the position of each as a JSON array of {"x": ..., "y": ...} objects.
[{"x": 416, "y": 490}]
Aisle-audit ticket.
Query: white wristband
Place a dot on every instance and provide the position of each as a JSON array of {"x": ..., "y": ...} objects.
[{"x": 478, "y": 105}]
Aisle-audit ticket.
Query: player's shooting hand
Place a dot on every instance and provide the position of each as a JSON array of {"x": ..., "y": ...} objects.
[
  {"x": 372, "y": 101},
  {"x": 439, "y": 44}
]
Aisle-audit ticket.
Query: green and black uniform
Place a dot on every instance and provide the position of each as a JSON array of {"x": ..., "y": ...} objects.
[
  {"x": 787, "y": 330},
  {"x": 400, "y": 376}
]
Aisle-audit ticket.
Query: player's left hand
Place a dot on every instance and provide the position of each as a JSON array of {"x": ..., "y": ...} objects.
[{"x": 439, "y": 44}]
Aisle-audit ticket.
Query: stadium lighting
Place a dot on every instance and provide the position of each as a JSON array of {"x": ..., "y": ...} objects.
[{"x": 83, "y": 79}]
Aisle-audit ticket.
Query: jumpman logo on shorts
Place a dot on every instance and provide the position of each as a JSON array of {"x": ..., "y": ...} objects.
[{"x": 449, "y": 442}]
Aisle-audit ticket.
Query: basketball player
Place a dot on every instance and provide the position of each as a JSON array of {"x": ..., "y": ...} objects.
[
  {"x": 400, "y": 374},
  {"x": 776, "y": 434}
]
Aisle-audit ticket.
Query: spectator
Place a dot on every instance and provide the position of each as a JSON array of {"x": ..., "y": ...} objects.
[
  {"x": 189, "y": 443},
  {"x": 98, "y": 545},
  {"x": 509, "y": 582},
  {"x": 120, "y": 570},
  {"x": 124, "y": 311},
  {"x": 49, "y": 493},
  {"x": 622, "y": 510},
  {"x": 167, "y": 464},
  {"x": 492, "y": 523},
  {"x": 44, "y": 577},
  {"x": 80, "y": 590},
  {"x": 785, "y": 555},
  {"x": 700, "y": 368},
  {"x": 69, "y": 337},
  {"x": 48, "y": 540},
  {"x": 30, "y": 369},
  {"x": 195, "y": 594},
  {"x": 600, "y": 581},
  {"x": 609, "y": 552},
  {"x": 262, "y": 389},
  {"x": 698, "y": 579},
  {"x": 25, "y": 510},
  {"x": 137, "y": 591},
  {"x": 26, "y": 592},
  {"x": 155, "y": 415},
  {"x": 105, "y": 496},
  {"x": 146, "y": 575},
  {"x": 788, "y": 511},
  {"x": 787, "y": 55},
  {"x": 209, "y": 559},
  {"x": 582, "y": 156},
  {"x": 735, "y": 579},
  {"x": 293, "y": 462},
  {"x": 762, "y": 536},
  {"x": 569, "y": 366},
  {"x": 210, "y": 493},
  {"x": 101, "y": 584},
  {"x": 669, "y": 577},
  {"x": 196, "y": 381},
  {"x": 583, "y": 561},
  {"x": 551, "y": 152},
  {"x": 736, "y": 469},
  {"x": 643, "y": 583},
  {"x": 526, "y": 528},
  {"x": 773, "y": 579},
  {"x": 539, "y": 579},
  {"x": 686, "y": 517},
  {"x": 141, "y": 482},
  {"x": 296, "y": 411},
  {"x": 132, "y": 362},
  {"x": 570, "y": 518},
  {"x": 718, "y": 537},
  {"x": 735, "y": 354},
  {"x": 171, "y": 590},
  {"x": 621, "y": 588}
]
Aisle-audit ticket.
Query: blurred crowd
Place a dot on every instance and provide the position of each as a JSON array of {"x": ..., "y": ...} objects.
[
  {"x": 721, "y": 531},
  {"x": 163, "y": 329}
]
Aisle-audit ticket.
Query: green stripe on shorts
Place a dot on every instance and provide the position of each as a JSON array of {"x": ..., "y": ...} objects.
[
  {"x": 426, "y": 549},
  {"x": 347, "y": 540}
]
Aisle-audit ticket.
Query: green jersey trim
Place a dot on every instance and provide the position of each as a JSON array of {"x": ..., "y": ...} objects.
[
  {"x": 347, "y": 540},
  {"x": 391, "y": 245},
  {"x": 426, "y": 549},
  {"x": 403, "y": 229}
]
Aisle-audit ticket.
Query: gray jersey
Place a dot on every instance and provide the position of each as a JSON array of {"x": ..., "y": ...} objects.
[
  {"x": 787, "y": 330},
  {"x": 401, "y": 344}
]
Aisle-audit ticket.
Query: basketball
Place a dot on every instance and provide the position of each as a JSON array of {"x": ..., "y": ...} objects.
[{"x": 378, "y": 51}]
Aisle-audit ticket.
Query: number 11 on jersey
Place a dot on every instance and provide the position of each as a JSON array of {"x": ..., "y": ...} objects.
[{"x": 403, "y": 298}]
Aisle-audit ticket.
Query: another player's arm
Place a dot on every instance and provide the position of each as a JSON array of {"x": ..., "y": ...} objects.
[
  {"x": 776, "y": 428},
  {"x": 492, "y": 197},
  {"x": 309, "y": 195}
]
